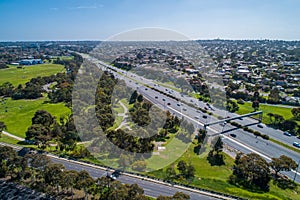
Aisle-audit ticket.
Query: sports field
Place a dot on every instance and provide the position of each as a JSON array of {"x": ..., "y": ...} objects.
[{"x": 22, "y": 75}]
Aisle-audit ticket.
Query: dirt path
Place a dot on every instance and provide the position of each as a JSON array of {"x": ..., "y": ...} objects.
[{"x": 124, "y": 115}]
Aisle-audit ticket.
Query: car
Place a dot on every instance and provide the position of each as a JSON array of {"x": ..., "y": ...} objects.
[
  {"x": 232, "y": 135},
  {"x": 196, "y": 117},
  {"x": 115, "y": 174},
  {"x": 146, "y": 88},
  {"x": 204, "y": 116},
  {"x": 223, "y": 124},
  {"x": 164, "y": 99},
  {"x": 178, "y": 104},
  {"x": 287, "y": 134},
  {"x": 184, "y": 109},
  {"x": 296, "y": 144},
  {"x": 168, "y": 104},
  {"x": 156, "y": 97},
  {"x": 205, "y": 108},
  {"x": 259, "y": 125}
]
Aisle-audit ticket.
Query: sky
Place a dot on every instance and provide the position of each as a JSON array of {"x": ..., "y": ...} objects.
[{"x": 196, "y": 19}]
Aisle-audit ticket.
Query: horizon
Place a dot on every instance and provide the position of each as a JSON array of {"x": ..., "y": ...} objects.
[{"x": 209, "y": 39}]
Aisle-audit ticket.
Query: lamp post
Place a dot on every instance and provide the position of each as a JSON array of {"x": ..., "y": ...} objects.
[{"x": 296, "y": 171}]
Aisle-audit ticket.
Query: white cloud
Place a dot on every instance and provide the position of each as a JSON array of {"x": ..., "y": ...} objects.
[{"x": 86, "y": 7}]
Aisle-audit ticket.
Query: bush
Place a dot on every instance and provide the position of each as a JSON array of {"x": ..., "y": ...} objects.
[
  {"x": 240, "y": 101},
  {"x": 266, "y": 137},
  {"x": 256, "y": 133},
  {"x": 246, "y": 128}
]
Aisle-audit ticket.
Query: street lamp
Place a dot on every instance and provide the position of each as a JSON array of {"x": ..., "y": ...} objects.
[{"x": 296, "y": 171}]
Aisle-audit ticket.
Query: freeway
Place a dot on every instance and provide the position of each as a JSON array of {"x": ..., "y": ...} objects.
[
  {"x": 242, "y": 140},
  {"x": 273, "y": 133}
]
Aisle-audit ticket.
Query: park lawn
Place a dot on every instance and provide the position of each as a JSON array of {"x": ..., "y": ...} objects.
[
  {"x": 174, "y": 149},
  {"x": 21, "y": 76},
  {"x": 216, "y": 178},
  {"x": 285, "y": 112},
  {"x": 20, "y": 112}
]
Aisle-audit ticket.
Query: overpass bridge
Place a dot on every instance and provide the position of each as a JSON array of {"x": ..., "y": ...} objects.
[{"x": 260, "y": 113}]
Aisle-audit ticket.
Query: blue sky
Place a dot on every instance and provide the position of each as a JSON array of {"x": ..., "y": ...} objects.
[{"x": 197, "y": 19}]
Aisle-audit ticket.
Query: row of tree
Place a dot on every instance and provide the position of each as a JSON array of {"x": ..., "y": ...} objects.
[
  {"x": 290, "y": 125},
  {"x": 252, "y": 171},
  {"x": 39, "y": 173}
]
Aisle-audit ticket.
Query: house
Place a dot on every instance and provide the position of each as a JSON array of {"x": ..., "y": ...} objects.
[{"x": 31, "y": 61}]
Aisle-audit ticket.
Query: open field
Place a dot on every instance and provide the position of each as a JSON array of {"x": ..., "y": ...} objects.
[
  {"x": 21, "y": 76},
  {"x": 216, "y": 178},
  {"x": 285, "y": 112},
  {"x": 20, "y": 112}
]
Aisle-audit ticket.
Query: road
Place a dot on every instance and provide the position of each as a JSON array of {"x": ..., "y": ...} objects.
[
  {"x": 244, "y": 141},
  {"x": 151, "y": 187}
]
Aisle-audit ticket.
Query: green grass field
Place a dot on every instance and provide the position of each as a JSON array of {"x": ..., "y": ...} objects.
[
  {"x": 7, "y": 139},
  {"x": 216, "y": 178},
  {"x": 20, "y": 112},
  {"x": 20, "y": 76},
  {"x": 285, "y": 112}
]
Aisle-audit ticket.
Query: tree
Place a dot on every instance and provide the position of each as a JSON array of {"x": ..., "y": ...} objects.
[
  {"x": 180, "y": 196},
  {"x": 218, "y": 147},
  {"x": 182, "y": 166},
  {"x": 39, "y": 133},
  {"x": 53, "y": 174},
  {"x": 201, "y": 135},
  {"x": 232, "y": 106},
  {"x": 274, "y": 96},
  {"x": 296, "y": 113},
  {"x": 133, "y": 97},
  {"x": 134, "y": 192},
  {"x": 140, "y": 98},
  {"x": 190, "y": 171},
  {"x": 2, "y": 127},
  {"x": 289, "y": 125},
  {"x": 251, "y": 170},
  {"x": 6, "y": 89},
  {"x": 170, "y": 173},
  {"x": 7, "y": 160},
  {"x": 283, "y": 163},
  {"x": 68, "y": 180},
  {"x": 43, "y": 117},
  {"x": 176, "y": 196},
  {"x": 84, "y": 181},
  {"x": 255, "y": 105}
]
